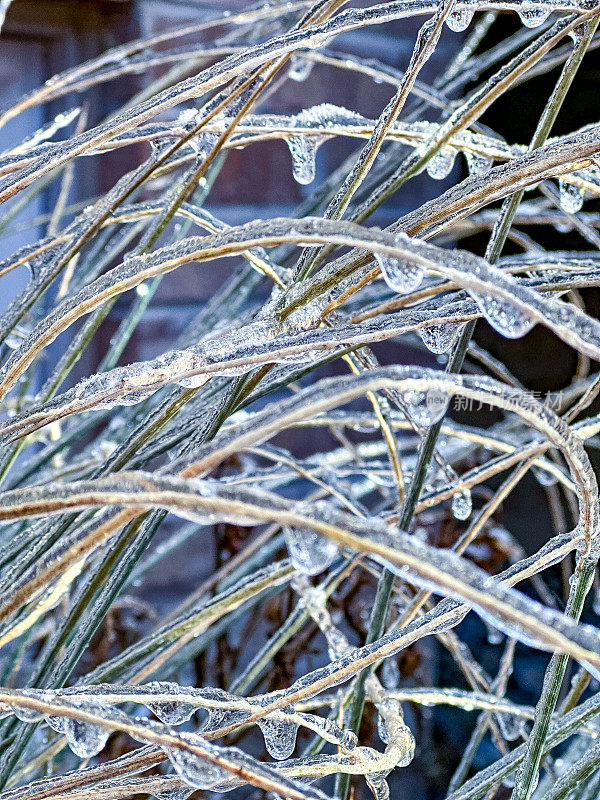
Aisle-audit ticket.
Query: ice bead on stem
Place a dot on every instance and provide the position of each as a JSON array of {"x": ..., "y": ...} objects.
[
  {"x": 309, "y": 552},
  {"x": 571, "y": 197},
  {"x": 439, "y": 338},
  {"x": 426, "y": 408},
  {"x": 279, "y": 735},
  {"x": 459, "y": 20},
  {"x": 194, "y": 770},
  {"x": 400, "y": 275},
  {"x": 440, "y": 165},
  {"x": 477, "y": 163},
  {"x": 533, "y": 14},
  {"x": 462, "y": 504},
  {"x": 503, "y": 316},
  {"x": 171, "y": 712},
  {"x": 84, "y": 738}
]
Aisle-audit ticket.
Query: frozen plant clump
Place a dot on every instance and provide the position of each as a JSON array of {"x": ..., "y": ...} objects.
[{"x": 296, "y": 485}]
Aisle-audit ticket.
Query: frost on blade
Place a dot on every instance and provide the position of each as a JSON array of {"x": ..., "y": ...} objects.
[{"x": 309, "y": 551}]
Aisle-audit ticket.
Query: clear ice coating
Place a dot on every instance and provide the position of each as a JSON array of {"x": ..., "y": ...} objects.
[
  {"x": 503, "y": 316},
  {"x": 459, "y": 20},
  {"x": 195, "y": 771},
  {"x": 462, "y": 504},
  {"x": 309, "y": 551},
  {"x": 304, "y": 154},
  {"x": 279, "y": 735},
  {"x": 426, "y": 408},
  {"x": 440, "y": 165},
  {"x": 171, "y": 712},
  {"x": 440, "y": 338},
  {"x": 400, "y": 275},
  {"x": 533, "y": 14},
  {"x": 571, "y": 197}
]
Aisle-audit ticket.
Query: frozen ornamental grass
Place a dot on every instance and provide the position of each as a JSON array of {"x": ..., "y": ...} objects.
[{"x": 109, "y": 476}]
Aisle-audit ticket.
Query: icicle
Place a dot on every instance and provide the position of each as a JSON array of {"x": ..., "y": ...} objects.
[
  {"x": 532, "y": 14},
  {"x": 504, "y": 316},
  {"x": 440, "y": 338},
  {"x": 171, "y": 712},
  {"x": 440, "y": 166},
  {"x": 280, "y": 736},
  {"x": 459, "y": 20},
  {"x": 309, "y": 552},
  {"x": 400, "y": 275},
  {"x": 304, "y": 152},
  {"x": 462, "y": 504},
  {"x": 571, "y": 197}
]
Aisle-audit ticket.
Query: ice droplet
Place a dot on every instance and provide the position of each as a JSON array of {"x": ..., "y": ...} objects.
[
  {"x": 426, "y": 408},
  {"x": 532, "y": 14},
  {"x": 503, "y": 316},
  {"x": 477, "y": 163},
  {"x": 304, "y": 154},
  {"x": 170, "y": 712},
  {"x": 462, "y": 504},
  {"x": 309, "y": 552},
  {"x": 440, "y": 166},
  {"x": 195, "y": 771},
  {"x": 280, "y": 736},
  {"x": 84, "y": 738},
  {"x": 571, "y": 197},
  {"x": 300, "y": 68},
  {"x": 459, "y": 20},
  {"x": 400, "y": 275},
  {"x": 440, "y": 338},
  {"x": 26, "y": 714}
]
